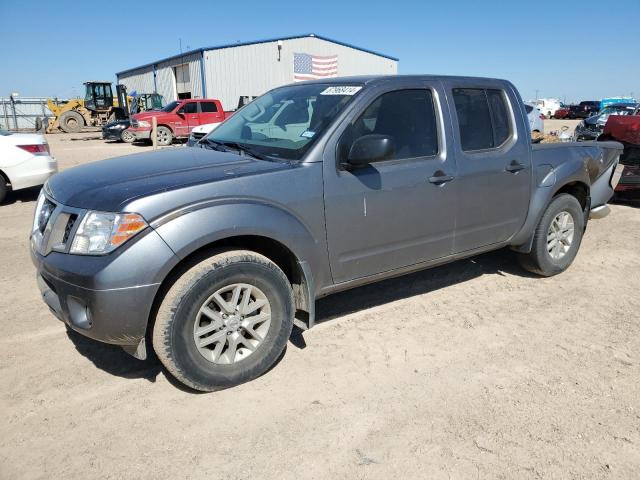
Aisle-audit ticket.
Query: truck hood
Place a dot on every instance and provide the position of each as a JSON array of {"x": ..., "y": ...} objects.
[
  {"x": 148, "y": 114},
  {"x": 109, "y": 185}
]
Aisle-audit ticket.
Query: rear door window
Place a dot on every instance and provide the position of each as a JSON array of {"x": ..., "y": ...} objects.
[
  {"x": 208, "y": 107},
  {"x": 483, "y": 118}
]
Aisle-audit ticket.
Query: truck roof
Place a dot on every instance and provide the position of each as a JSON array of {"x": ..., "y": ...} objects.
[{"x": 372, "y": 79}]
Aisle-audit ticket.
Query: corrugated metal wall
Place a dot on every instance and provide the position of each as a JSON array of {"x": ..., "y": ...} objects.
[
  {"x": 166, "y": 79},
  {"x": 254, "y": 69},
  {"x": 140, "y": 80},
  {"x": 251, "y": 69}
]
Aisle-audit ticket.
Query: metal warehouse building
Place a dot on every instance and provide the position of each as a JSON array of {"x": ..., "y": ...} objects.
[{"x": 228, "y": 72}]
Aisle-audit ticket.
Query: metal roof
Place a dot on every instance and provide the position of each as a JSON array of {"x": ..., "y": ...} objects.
[{"x": 266, "y": 40}]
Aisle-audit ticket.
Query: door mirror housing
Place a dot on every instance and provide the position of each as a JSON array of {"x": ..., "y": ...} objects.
[{"x": 370, "y": 148}]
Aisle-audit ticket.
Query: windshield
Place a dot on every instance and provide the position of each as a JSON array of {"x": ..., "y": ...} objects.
[
  {"x": 284, "y": 122},
  {"x": 169, "y": 108}
]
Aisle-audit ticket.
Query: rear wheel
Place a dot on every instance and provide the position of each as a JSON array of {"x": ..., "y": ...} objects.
[
  {"x": 225, "y": 321},
  {"x": 127, "y": 137},
  {"x": 164, "y": 135},
  {"x": 71, "y": 122},
  {"x": 557, "y": 237}
]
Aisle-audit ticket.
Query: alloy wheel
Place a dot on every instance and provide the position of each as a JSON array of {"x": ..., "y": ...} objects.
[
  {"x": 560, "y": 235},
  {"x": 232, "y": 323}
]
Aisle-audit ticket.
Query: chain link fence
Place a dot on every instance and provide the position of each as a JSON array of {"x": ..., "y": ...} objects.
[{"x": 28, "y": 114}]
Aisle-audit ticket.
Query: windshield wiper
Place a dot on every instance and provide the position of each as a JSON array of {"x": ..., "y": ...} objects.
[
  {"x": 212, "y": 144},
  {"x": 240, "y": 148}
]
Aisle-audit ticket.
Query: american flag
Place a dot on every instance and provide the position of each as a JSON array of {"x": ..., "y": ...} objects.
[{"x": 308, "y": 67}]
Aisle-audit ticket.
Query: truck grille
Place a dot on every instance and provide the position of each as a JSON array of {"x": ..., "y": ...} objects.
[
  {"x": 67, "y": 231},
  {"x": 54, "y": 227}
]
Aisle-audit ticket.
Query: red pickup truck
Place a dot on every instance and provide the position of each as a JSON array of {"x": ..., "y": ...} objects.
[
  {"x": 177, "y": 119},
  {"x": 626, "y": 130}
]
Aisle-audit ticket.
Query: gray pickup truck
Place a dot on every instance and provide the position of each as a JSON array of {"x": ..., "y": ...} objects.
[{"x": 211, "y": 254}]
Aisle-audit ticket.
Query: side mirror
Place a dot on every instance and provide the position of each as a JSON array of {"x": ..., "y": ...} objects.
[
  {"x": 370, "y": 148},
  {"x": 180, "y": 113}
]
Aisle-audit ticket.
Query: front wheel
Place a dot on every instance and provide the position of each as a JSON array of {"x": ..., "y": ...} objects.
[
  {"x": 557, "y": 237},
  {"x": 225, "y": 321},
  {"x": 164, "y": 136},
  {"x": 71, "y": 122},
  {"x": 127, "y": 137}
]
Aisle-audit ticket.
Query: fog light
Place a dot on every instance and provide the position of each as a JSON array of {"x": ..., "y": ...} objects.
[{"x": 79, "y": 313}]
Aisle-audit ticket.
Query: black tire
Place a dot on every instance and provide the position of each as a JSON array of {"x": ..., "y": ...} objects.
[
  {"x": 539, "y": 260},
  {"x": 127, "y": 137},
  {"x": 71, "y": 122},
  {"x": 164, "y": 135},
  {"x": 173, "y": 332},
  {"x": 4, "y": 188}
]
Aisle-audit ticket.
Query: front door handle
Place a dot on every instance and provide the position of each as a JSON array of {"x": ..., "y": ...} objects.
[
  {"x": 514, "y": 167},
  {"x": 440, "y": 178}
]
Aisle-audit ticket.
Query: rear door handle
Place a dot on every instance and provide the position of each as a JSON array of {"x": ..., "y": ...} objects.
[
  {"x": 440, "y": 178},
  {"x": 514, "y": 167}
]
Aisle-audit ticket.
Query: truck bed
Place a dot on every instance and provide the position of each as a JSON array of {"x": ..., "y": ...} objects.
[{"x": 598, "y": 158}]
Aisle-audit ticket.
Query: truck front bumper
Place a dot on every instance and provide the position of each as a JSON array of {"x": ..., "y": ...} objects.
[
  {"x": 110, "y": 316},
  {"x": 107, "y": 298},
  {"x": 140, "y": 134}
]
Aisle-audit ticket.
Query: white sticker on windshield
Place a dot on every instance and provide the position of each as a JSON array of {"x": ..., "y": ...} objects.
[
  {"x": 341, "y": 90},
  {"x": 307, "y": 134}
]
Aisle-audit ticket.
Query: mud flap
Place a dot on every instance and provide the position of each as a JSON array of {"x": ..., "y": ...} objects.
[
  {"x": 138, "y": 351},
  {"x": 305, "y": 316}
]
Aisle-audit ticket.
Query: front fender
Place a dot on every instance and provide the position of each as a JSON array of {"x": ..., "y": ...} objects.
[{"x": 201, "y": 225}]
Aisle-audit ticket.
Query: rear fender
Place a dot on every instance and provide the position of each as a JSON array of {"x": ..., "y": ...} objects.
[{"x": 548, "y": 182}]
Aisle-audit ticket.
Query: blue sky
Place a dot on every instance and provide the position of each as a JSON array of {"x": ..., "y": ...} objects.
[{"x": 571, "y": 49}]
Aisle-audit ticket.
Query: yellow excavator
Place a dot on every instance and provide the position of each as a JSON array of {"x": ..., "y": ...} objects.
[{"x": 98, "y": 107}]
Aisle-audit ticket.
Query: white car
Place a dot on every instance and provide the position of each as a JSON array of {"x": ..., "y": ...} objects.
[
  {"x": 200, "y": 131},
  {"x": 25, "y": 161},
  {"x": 548, "y": 106},
  {"x": 536, "y": 118}
]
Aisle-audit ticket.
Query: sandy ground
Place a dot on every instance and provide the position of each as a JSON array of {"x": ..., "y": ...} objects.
[{"x": 471, "y": 370}]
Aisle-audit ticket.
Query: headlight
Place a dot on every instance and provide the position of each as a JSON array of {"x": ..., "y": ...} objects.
[
  {"x": 38, "y": 213},
  {"x": 143, "y": 123},
  {"x": 103, "y": 232},
  {"x": 119, "y": 125}
]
